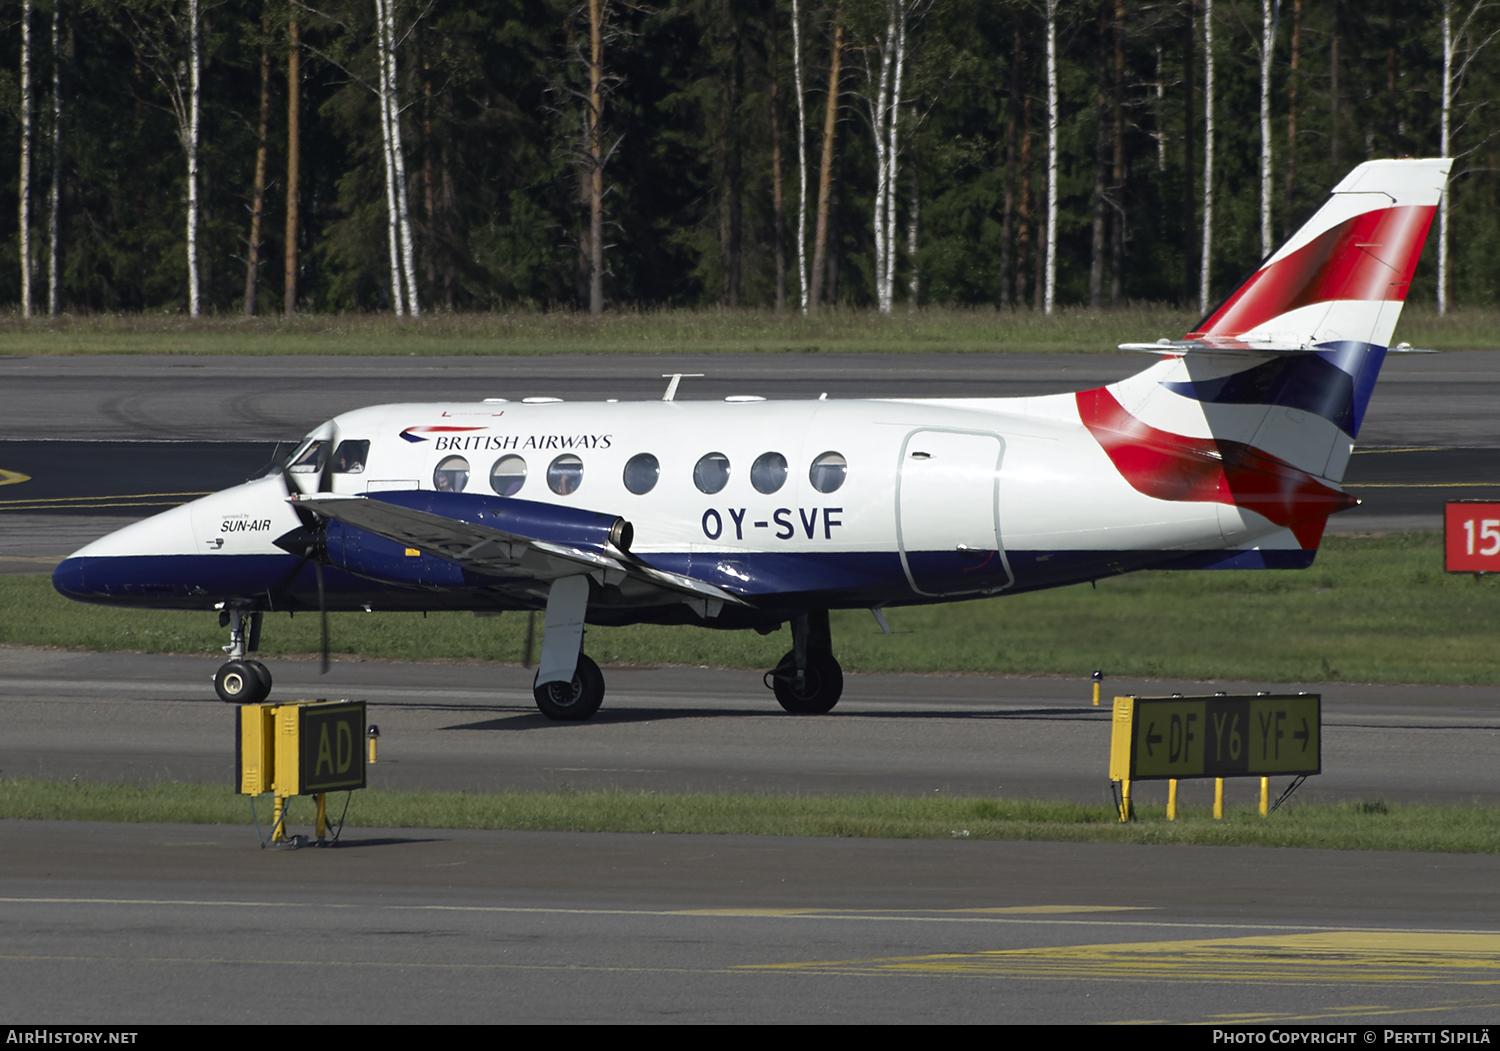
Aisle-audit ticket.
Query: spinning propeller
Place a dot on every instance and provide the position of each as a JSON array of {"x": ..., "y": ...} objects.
[{"x": 310, "y": 541}]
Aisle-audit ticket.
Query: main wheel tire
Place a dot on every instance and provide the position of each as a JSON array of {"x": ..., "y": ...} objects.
[
  {"x": 821, "y": 687},
  {"x": 572, "y": 701},
  {"x": 238, "y": 683},
  {"x": 264, "y": 675}
]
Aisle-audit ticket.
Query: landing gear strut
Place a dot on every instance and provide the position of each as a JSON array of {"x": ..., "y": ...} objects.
[
  {"x": 242, "y": 681},
  {"x": 808, "y": 681}
]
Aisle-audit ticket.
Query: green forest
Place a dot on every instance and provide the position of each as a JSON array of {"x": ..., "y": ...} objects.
[{"x": 618, "y": 155}]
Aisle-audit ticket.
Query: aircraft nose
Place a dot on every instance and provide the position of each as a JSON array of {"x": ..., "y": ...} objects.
[{"x": 69, "y": 578}]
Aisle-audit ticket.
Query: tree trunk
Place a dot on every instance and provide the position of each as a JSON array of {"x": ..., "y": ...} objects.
[
  {"x": 27, "y": 307},
  {"x": 408, "y": 249},
  {"x": 293, "y": 161},
  {"x": 388, "y": 154},
  {"x": 825, "y": 167},
  {"x": 1189, "y": 161},
  {"x": 429, "y": 203},
  {"x": 913, "y": 215},
  {"x": 1117, "y": 171},
  {"x": 893, "y": 152},
  {"x": 1443, "y": 149},
  {"x": 1267, "y": 47},
  {"x": 1007, "y": 216},
  {"x": 802, "y": 277},
  {"x": 1288, "y": 216},
  {"x": 1096, "y": 253},
  {"x": 55, "y": 201},
  {"x": 1051, "y": 279},
  {"x": 1208, "y": 154},
  {"x": 1023, "y": 206},
  {"x": 778, "y": 204},
  {"x": 1337, "y": 170},
  {"x": 258, "y": 193},
  {"x": 730, "y": 205},
  {"x": 596, "y": 153},
  {"x": 879, "y": 107},
  {"x": 195, "y": 76}
]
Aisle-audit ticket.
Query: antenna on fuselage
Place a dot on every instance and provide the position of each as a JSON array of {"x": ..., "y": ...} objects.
[{"x": 676, "y": 378}]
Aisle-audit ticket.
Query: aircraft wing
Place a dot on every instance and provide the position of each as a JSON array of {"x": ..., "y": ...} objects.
[{"x": 501, "y": 552}]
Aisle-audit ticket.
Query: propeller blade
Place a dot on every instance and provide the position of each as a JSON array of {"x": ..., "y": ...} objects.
[{"x": 322, "y": 613}]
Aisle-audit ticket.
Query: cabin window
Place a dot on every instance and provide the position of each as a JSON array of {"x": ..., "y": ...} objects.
[
  {"x": 452, "y": 475},
  {"x": 508, "y": 475},
  {"x": 641, "y": 473},
  {"x": 711, "y": 473},
  {"x": 351, "y": 456},
  {"x": 308, "y": 459},
  {"x": 565, "y": 474},
  {"x": 768, "y": 472},
  {"x": 828, "y": 472}
]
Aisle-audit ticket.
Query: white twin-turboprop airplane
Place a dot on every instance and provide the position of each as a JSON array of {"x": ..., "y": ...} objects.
[{"x": 1225, "y": 454}]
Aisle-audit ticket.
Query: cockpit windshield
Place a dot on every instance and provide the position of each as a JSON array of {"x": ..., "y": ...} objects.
[
  {"x": 351, "y": 456},
  {"x": 309, "y": 457}
]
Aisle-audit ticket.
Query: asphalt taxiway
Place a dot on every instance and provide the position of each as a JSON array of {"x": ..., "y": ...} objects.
[{"x": 151, "y": 923}]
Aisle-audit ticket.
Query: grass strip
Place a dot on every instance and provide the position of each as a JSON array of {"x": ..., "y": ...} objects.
[
  {"x": 678, "y": 331},
  {"x": 1353, "y": 826},
  {"x": 1372, "y": 609}
]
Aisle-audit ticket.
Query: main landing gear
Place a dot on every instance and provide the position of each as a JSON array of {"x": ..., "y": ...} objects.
[
  {"x": 572, "y": 701},
  {"x": 242, "y": 681},
  {"x": 808, "y": 681}
]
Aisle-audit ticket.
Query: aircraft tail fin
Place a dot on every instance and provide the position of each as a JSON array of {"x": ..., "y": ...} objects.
[
  {"x": 1257, "y": 408},
  {"x": 1344, "y": 275}
]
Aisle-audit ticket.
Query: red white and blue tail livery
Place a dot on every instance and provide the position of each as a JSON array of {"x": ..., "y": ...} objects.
[{"x": 1226, "y": 453}]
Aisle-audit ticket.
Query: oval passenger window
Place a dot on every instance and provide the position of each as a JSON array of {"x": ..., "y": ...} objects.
[
  {"x": 452, "y": 475},
  {"x": 768, "y": 472},
  {"x": 641, "y": 473},
  {"x": 508, "y": 475},
  {"x": 828, "y": 472},
  {"x": 565, "y": 474},
  {"x": 711, "y": 473}
]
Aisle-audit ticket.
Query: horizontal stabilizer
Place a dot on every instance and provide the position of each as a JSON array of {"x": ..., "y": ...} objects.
[{"x": 1223, "y": 345}]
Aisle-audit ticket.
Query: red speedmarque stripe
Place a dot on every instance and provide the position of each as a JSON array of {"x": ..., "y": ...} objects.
[
  {"x": 1370, "y": 257},
  {"x": 1175, "y": 467}
]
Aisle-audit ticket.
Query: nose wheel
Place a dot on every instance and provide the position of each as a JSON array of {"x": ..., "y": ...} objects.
[{"x": 242, "y": 681}]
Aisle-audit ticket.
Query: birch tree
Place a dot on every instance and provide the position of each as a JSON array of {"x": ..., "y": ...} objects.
[
  {"x": 802, "y": 288},
  {"x": 1270, "y": 11},
  {"x": 25, "y": 182},
  {"x": 54, "y": 200},
  {"x": 195, "y": 75},
  {"x": 778, "y": 205},
  {"x": 1208, "y": 153},
  {"x": 396, "y": 193},
  {"x": 1051, "y": 279},
  {"x": 883, "y": 104},
  {"x": 160, "y": 32},
  {"x": 1463, "y": 45},
  {"x": 258, "y": 187}
]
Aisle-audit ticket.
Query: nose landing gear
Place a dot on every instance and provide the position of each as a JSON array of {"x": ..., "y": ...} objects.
[{"x": 242, "y": 681}]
